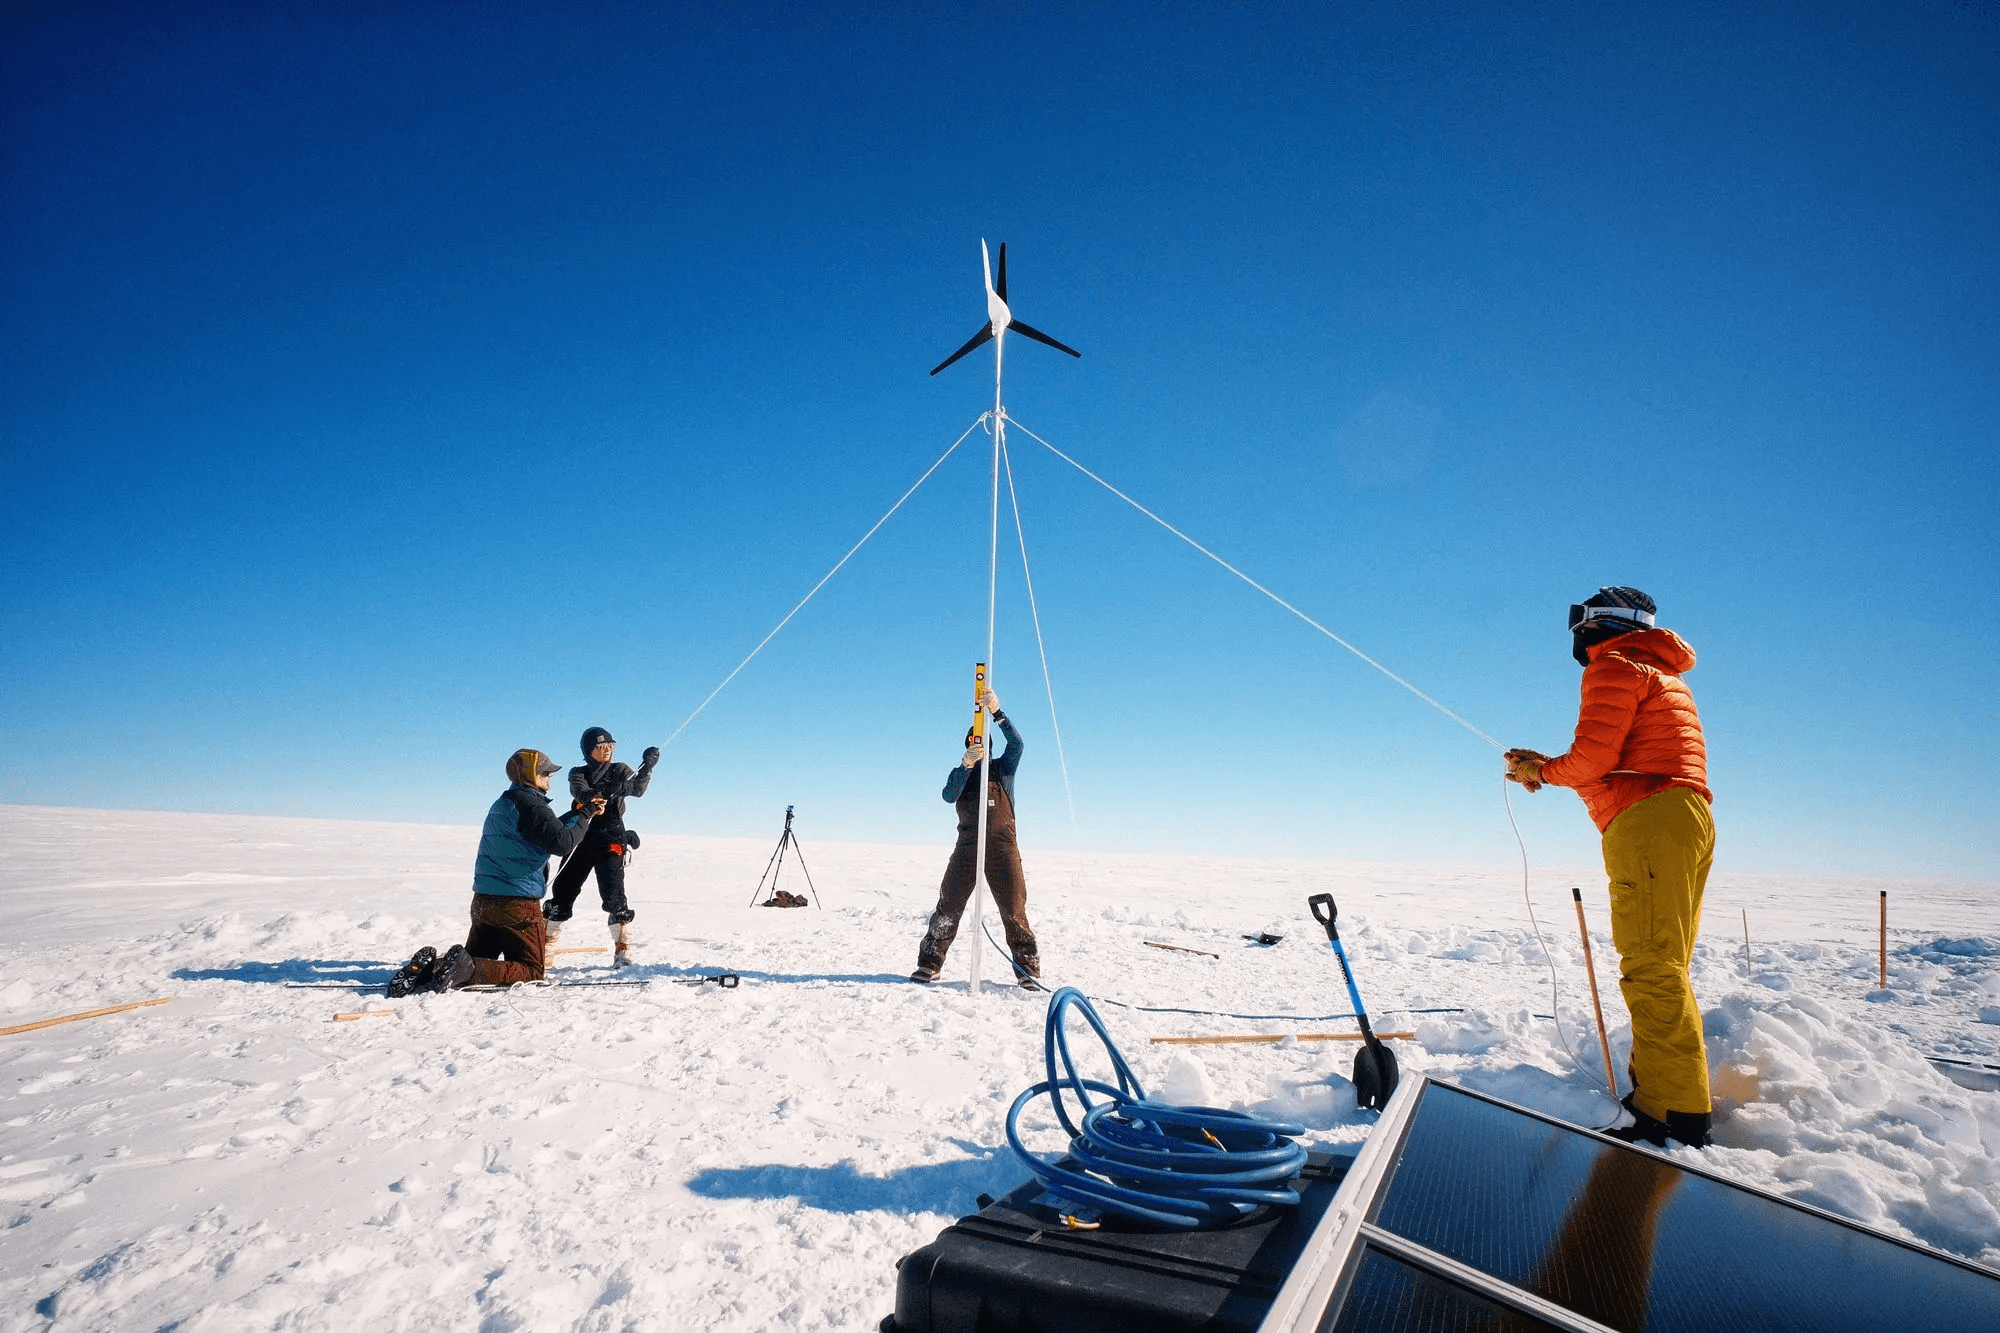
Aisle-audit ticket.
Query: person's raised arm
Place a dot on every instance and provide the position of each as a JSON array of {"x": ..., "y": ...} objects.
[
  {"x": 1612, "y": 688},
  {"x": 1008, "y": 759},
  {"x": 636, "y": 785}
]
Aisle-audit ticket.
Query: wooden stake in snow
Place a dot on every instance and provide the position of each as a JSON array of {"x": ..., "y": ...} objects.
[
  {"x": 365, "y": 1013},
  {"x": 88, "y": 1013},
  {"x": 1179, "y": 949},
  {"x": 1883, "y": 952},
  {"x": 1590, "y": 970},
  {"x": 1276, "y": 1036},
  {"x": 596, "y": 949}
]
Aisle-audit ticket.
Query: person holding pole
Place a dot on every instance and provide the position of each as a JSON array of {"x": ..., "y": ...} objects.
[
  {"x": 1640, "y": 763},
  {"x": 604, "y": 850},
  {"x": 1004, "y": 876}
]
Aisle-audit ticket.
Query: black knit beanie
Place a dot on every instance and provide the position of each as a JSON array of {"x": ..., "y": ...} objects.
[
  {"x": 594, "y": 737},
  {"x": 1600, "y": 629}
]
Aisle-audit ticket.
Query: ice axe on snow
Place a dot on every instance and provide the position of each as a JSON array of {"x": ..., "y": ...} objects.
[{"x": 1375, "y": 1072}]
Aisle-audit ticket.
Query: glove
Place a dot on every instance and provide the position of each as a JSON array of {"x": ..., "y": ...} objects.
[
  {"x": 1525, "y": 767},
  {"x": 973, "y": 754},
  {"x": 595, "y": 807},
  {"x": 651, "y": 757},
  {"x": 989, "y": 700}
]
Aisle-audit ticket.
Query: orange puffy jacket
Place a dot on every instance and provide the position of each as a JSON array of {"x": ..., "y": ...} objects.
[{"x": 1637, "y": 732}]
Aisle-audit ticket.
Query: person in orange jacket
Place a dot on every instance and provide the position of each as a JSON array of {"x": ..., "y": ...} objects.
[{"x": 1641, "y": 766}]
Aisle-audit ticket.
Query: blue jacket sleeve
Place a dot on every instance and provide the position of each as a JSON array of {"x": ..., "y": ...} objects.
[
  {"x": 955, "y": 783},
  {"x": 1008, "y": 759}
]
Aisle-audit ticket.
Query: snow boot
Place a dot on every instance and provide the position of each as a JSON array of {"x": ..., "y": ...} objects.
[
  {"x": 1690, "y": 1128},
  {"x": 621, "y": 944},
  {"x": 930, "y": 953},
  {"x": 552, "y": 923},
  {"x": 1028, "y": 969},
  {"x": 452, "y": 971},
  {"x": 412, "y": 975},
  {"x": 1635, "y": 1126}
]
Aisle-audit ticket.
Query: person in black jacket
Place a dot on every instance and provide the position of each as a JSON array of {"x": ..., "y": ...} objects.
[
  {"x": 604, "y": 848},
  {"x": 1004, "y": 876}
]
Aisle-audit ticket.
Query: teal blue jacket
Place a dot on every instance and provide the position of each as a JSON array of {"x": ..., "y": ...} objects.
[{"x": 520, "y": 835}]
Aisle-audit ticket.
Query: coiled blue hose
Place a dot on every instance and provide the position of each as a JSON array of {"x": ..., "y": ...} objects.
[{"x": 1175, "y": 1166}]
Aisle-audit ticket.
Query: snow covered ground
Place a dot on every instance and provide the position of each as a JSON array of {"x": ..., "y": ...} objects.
[{"x": 680, "y": 1156}]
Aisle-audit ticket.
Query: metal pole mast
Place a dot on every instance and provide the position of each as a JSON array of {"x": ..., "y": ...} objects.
[{"x": 979, "y": 883}]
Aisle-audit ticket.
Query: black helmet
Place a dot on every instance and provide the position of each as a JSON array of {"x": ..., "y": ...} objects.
[{"x": 594, "y": 737}]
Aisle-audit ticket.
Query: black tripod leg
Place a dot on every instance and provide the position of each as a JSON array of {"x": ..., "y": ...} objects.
[
  {"x": 807, "y": 873},
  {"x": 767, "y": 871}
]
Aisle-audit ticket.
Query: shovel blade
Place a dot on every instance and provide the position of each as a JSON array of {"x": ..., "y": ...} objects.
[{"x": 1375, "y": 1076}]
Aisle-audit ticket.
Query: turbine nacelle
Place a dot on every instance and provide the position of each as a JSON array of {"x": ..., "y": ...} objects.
[{"x": 999, "y": 318}]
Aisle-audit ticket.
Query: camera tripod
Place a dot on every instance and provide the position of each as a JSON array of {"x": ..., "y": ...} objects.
[{"x": 776, "y": 865}]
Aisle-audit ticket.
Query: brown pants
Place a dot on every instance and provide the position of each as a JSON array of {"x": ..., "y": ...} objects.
[
  {"x": 1004, "y": 879},
  {"x": 506, "y": 928}
]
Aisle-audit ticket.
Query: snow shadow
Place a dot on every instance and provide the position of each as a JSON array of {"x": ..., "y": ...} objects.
[
  {"x": 667, "y": 972},
  {"x": 941, "y": 1187},
  {"x": 292, "y": 969}
]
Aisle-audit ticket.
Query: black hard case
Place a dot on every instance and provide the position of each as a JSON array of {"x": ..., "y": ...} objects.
[{"x": 1014, "y": 1267}]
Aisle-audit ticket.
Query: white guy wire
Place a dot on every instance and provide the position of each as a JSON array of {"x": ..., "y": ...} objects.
[
  {"x": 1048, "y": 684},
  {"x": 823, "y": 582},
  {"x": 1258, "y": 586},
  {"x": 1548, "y": 954}
]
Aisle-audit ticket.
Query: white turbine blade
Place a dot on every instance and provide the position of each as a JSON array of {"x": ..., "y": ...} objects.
[{"x": 996, "y": 309}]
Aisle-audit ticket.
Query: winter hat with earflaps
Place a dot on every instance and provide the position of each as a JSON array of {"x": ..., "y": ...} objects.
[
  {"x": 1606, "y": 614},
  {"x": 594, "y": 737},
  {"x": 524, "y": 766}
]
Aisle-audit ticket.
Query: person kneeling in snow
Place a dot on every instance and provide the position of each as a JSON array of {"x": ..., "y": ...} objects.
[
  {"x": 1641, "y": 766},
  {"x": 1004, "y": 876},
  {"x": 508, "y": 940}
]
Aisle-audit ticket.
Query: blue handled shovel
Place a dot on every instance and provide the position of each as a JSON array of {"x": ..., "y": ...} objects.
[{"x": 1375, "y": 1072}]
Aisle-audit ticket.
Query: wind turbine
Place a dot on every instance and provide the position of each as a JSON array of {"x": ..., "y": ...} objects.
[{"x": 999, "y": 319}]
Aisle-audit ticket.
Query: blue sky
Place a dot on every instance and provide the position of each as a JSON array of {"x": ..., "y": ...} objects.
[{"x": 386, "y": 386}]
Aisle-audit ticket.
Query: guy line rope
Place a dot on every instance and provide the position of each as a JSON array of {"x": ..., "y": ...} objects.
[
  {"x": 822, "y": 583},
  {"x": 1258, "y": 586},
  {"x": 1034, "y": 612}
]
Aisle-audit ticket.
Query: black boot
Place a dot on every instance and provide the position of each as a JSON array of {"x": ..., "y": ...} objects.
[
  {"x": 1635, "y": 1126},
  {"x": 1690, "y": 1127},
  {"x": 412, "y": 975},
  {"x": 1028, "y": 969},
  {"x": 930, "y": 954},
  {"x": 452, "y": 971}
]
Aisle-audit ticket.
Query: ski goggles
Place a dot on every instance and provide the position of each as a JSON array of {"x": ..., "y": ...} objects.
[{"x": 1581, "y": 615}]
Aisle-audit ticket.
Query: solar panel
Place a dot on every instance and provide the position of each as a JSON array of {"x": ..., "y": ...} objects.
[{"x": 1466, "y": 1212}]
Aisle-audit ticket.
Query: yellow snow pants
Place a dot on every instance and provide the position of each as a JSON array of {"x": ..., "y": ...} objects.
[{"x": 1657, "y": 856}]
